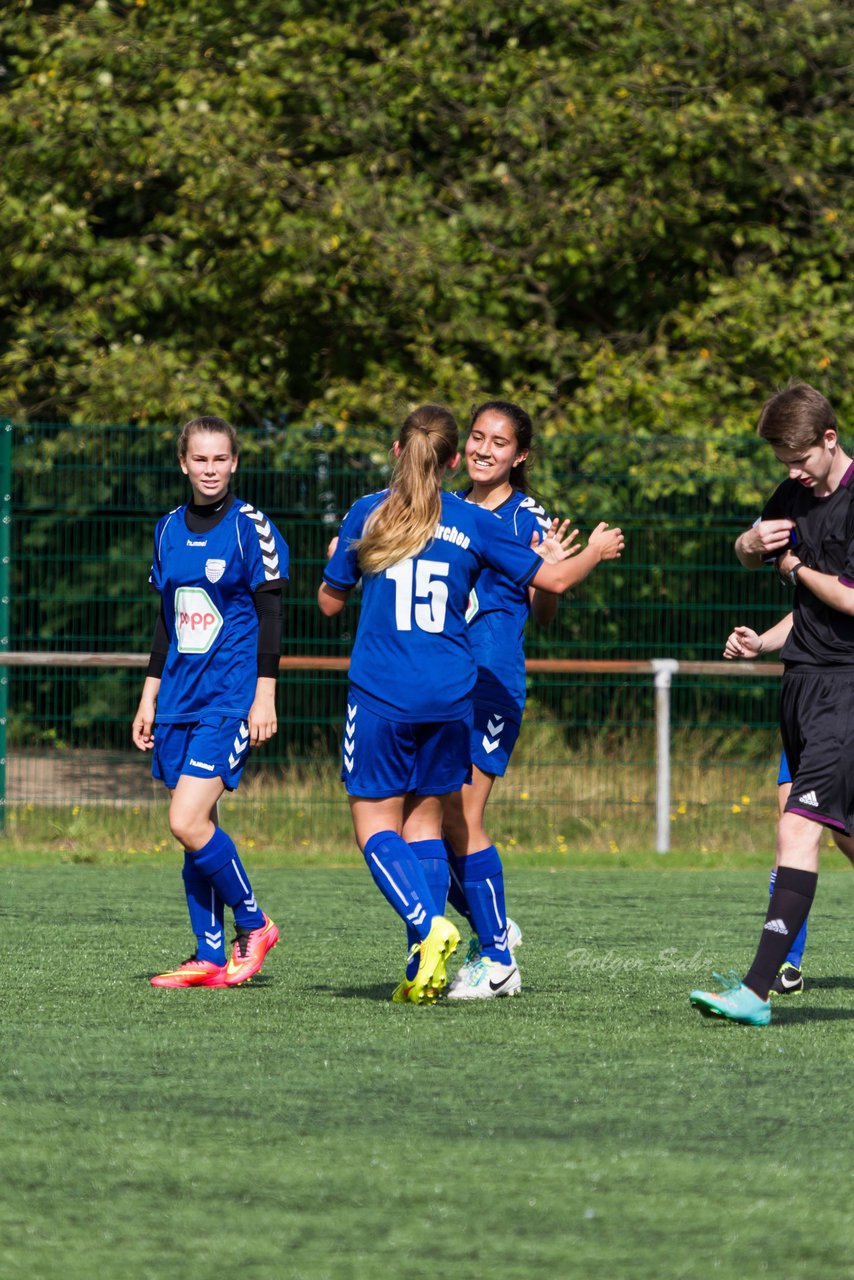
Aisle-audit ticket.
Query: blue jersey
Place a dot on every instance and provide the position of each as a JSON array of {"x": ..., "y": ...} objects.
[
  {"x": 412, "y": 659},
  {"x": 498, "y": 611},
  {"x": 206, "y": 582}
]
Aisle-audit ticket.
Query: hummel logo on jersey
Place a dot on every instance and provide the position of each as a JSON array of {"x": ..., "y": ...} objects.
[
  {"x": 191, "y": 543},
  {"x": 810, "y": 798},
  {"x": 200, "y": 764},
  {"x": 776, "y": 926}
]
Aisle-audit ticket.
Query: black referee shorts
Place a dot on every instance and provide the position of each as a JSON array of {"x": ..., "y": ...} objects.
[{"x": 817, "y": 726}]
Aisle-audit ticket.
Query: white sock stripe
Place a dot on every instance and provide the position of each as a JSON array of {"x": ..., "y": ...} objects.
[
  {"x": 243, "y": 883},
  {"x": 375, "y": 860},
  {"x": 501, "y": 924}
]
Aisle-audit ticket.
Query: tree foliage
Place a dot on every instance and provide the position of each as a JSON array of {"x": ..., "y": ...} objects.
[{"x": 631, "y": 217}]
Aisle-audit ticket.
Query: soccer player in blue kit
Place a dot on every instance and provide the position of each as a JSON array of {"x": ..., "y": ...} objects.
[
  {"x": 219, "y": 566},
  {"x": 417, "y": 552},
  {"x": 496, "y": 454}
]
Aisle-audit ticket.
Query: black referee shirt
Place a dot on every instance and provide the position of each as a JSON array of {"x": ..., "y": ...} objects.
[{"x": 824, "y": 540}]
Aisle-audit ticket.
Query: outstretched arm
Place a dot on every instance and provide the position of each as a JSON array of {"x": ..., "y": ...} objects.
[
  {"x": 557, "y": 545},
  {"x": 603, "y": 544}
]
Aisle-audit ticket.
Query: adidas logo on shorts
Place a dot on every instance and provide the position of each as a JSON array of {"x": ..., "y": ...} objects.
[{"x": 810, "y": 798}]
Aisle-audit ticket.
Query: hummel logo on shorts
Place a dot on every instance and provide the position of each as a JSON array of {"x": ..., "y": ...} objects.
[
  {"x": 776, "y": 926},
  {"x": 809, "y": 797}
]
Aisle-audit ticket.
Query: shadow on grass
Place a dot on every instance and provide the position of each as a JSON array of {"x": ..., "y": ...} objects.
[
  {"x": 830, "y": 984},
  {"x": 804, "y": 1014}
]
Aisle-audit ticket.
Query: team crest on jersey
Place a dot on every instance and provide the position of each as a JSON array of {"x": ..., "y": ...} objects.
[{"x": 214, "y": 569}]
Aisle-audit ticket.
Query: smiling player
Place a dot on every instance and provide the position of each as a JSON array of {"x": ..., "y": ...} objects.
[
  {"x": 496, "y": 456},
  {"x": 219, "y": 566}
]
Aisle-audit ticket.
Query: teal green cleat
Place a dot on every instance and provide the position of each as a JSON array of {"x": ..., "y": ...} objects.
[{"x": 736, "y": 1002}]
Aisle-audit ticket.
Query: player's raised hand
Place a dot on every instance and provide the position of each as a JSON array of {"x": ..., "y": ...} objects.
[
  {"x": 743, "y": 642},
  {"x": 607, "y": 543},
  {"x": 557, "y": 544}
]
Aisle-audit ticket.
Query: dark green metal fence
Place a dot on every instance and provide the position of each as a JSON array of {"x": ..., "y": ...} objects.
[{"x": 84, "y": 502}]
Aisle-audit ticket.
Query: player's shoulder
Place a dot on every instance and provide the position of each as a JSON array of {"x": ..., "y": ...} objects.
[
  {"x": 169, "y": 518},
  {"x": 527, "y": 510},
  {"x": 248, "y": 511},
  {"x": 363, "y": 505}
]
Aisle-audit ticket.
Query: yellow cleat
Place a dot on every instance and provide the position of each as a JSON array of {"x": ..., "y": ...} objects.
[{"x": 436, "y": 949}]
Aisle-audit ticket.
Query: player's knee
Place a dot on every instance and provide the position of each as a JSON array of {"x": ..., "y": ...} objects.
[{"x": 185, "y": 827}]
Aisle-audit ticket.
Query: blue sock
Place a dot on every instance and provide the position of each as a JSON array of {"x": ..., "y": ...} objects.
[
  {"x": 207, "y": 911},
  {"x": 482, "y": 877},
  {"x": 456, "y": 896},
  {"x": 399, "y": 878},
  {"x": 433, "y": 857},
  {"x": 220, "y": 862},
  {"x": 796, "y": 951}
]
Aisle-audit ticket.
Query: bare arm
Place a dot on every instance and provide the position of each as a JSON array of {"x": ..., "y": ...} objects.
[
  {"x": 743, "y": 642},
  {"x": 557, "y": 545},
  {"x": 142, "y": 729},
  {"x": 826, "y": 586},
  {"x": 330, "y": 600},
  {"x": 262, "y": 714},
  {"x": 603, "y": 544}
]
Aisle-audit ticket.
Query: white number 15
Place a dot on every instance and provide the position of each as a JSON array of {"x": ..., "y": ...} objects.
[{"x": 430, "y": 615}]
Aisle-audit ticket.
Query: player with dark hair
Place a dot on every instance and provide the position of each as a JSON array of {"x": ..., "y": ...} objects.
[
  {"x": 817, "y": 690},
  {"x": 406, "y": 745},
  {"x": 219, "y": 566},
  {"x": 496, "y": 457}
]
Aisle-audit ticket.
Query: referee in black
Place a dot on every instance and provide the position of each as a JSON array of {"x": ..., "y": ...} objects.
[{"x": 811, "y": 515}]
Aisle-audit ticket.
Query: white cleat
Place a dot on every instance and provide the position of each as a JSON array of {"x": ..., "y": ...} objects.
[
  {"x": 514, "y": 934},
  {"x": 484, "y": 979}
]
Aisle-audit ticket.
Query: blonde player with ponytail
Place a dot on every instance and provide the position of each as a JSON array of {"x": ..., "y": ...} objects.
[{"x": 406, "y": 745}]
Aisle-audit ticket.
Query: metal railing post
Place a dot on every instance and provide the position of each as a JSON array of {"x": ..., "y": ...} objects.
[
  {"x": 5, "y": 574},
  {"x": 664, "y": 669}
]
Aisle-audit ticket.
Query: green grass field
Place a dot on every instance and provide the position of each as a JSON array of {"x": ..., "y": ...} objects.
[{"x": 302, "y": 1126}]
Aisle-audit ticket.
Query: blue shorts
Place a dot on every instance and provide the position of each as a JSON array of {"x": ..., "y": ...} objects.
[
  {"x": 382, "y": 758},
  {"x": 493, "y": 738},
  {"x": 214, "y": 748},
  {"x": 784, "y": 775}
]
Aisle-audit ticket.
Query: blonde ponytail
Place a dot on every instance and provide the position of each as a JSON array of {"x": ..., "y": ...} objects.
[{"x": 403, "y": 524}]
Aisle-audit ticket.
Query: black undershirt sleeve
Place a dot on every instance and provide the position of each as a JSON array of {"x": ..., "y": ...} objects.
[
  {"x": 159, "y": 646},
  {"x": 268, "y": 606}
]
